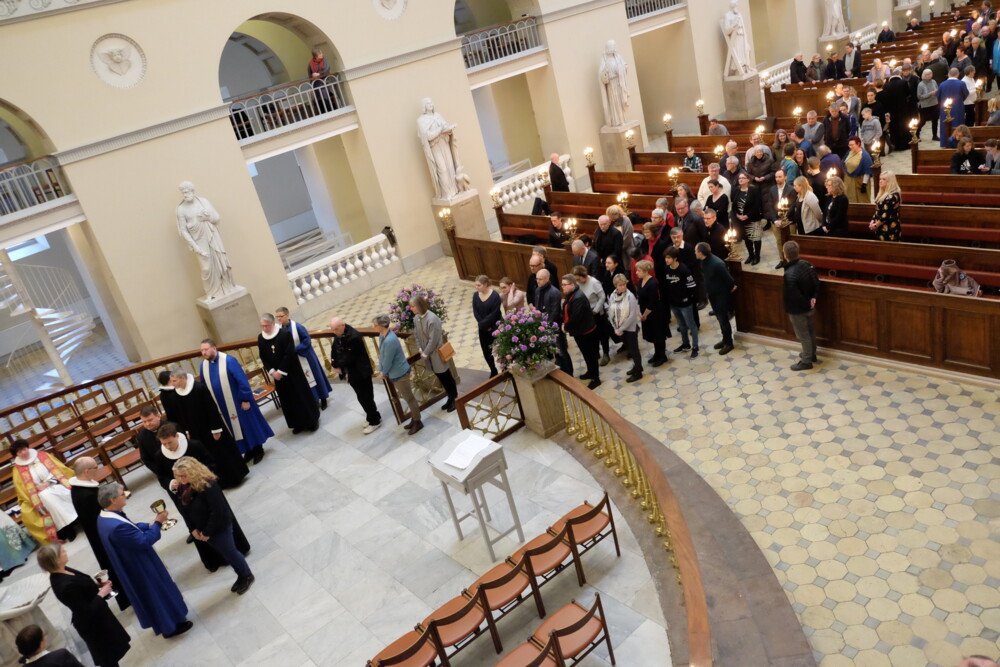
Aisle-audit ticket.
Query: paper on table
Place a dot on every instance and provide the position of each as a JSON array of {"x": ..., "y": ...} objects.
[{"x": 466, "y": 451}]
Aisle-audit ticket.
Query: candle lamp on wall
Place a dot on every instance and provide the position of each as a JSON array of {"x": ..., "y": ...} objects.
[
  {"x": 588, "y": 153},
  {"x": 630, "y": 138},
  {"x": 730, "y": 240},
  {"x": 700, "y": 106},
  {"x": 446, "y": 220},
  {"x": 623, "y": 202}
]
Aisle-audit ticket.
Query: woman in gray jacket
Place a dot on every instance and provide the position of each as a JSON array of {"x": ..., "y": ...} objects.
[
  {"x": 427, "y": 329},
  {"x": 927, "y": 100},
  {"x": 810, "y": 215},
  {"x": 623, "y": 315}
]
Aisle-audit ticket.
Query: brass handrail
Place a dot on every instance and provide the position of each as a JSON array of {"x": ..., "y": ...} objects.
[{"x": 610, "y": 437}]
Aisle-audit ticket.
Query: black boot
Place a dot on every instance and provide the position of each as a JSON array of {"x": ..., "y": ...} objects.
[
  {"x": 749, "y": 244},
  {"x": 756, "y": 252}
]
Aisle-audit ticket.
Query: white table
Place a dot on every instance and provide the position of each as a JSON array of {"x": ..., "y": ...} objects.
[
  {"x": 18, "y": 609},
  {"x": 489, "y": 466}
]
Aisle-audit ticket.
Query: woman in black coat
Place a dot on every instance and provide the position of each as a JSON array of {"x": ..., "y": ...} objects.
[
  {"x": 91, "y": 617},
  {"x": 486, "y": 306},
  {"x": 210, "y": 518},
  {"x": 651, "y": 312},
  {"x": 31, "y": 641},
  {"x": 747, "y": 214},
  {"x": 835, "y": 215}
]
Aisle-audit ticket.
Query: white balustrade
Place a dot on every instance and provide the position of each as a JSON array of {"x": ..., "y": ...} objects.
[
  {"x": 637, "y": 9},
  {"x": 502, "y": 42},
  {"x": 29, "y": 184},
  {"x": 865, "y": 37},
  {"x": 528, "y": 184},
  {"x": 287, "y": 105},
  {"x": 343, "y": 268},
  {"x": 776, "y": 76}
]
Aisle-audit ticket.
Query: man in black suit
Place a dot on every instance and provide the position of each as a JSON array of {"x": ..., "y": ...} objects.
[
  {"x": 556, "y": 175},
  {"x": 782, "y": 189},
  {"x": 548, "y": 300},
  {"x": 834, "y": 68},
  {"x": 584, "y": 256},
  {"x": 980, "y": 58},
  {"x": 797, "y": 70},
  {"x": 608, "y": 240},
  {"x": 687, "y": 257},
  {"x": 536, "y": 262},
  {"x": 350, "y": 358},
  {"x": 852, "y": 61},
  {"x": 578, "y": 322}
]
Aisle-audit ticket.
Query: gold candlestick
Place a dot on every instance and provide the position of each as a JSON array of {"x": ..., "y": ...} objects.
[
  {"x": 666, "y": 122},
  {"x": 672, "y": 173},
  {"x": 630, "y": 138},
  {"x": 730, "y": 240},
  {"x": 700, "y": 105},
  {"x": 914, "y": 124},
  {"x": 876, "y": 150},
  {"x": 947, "y": 108},
  {"x": 588, "y": 153}
]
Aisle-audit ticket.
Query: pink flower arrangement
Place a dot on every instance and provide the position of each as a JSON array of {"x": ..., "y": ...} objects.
[
  {"x": 399, "y": 309},
  {"x": 524, "y": 340}
]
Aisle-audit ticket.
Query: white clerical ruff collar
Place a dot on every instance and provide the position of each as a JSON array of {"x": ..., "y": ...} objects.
[
  {"x": 269, "y": 336},
  {"x": 187, "y": 388},
  {"x": 32, "y": 457},
  {"x": 108, "y": 514},
  {"x": 182, "y": 445},
  {"x": 89, "y": 483}
]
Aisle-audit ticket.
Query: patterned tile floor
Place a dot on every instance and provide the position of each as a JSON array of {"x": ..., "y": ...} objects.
[{"x": 874, "y": 492}]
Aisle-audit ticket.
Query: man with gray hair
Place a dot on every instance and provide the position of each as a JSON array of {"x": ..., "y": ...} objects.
[
  {"x": 714, "y": 173},
  {"x": 813, "y": 129},
  {"x": 584, "y": 256},
  {"x": 155, "y": 598},
  {"x": 83, "y": 491},
  {"x": 281, "y": 364},
  {"x": 548, "y": 300},
  {"x": 732, "y": 150}
]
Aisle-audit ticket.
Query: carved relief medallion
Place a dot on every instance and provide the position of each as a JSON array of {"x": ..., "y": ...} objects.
[
  {"x": 118, "y": 61},
  {"x": 390, "y": 9}
]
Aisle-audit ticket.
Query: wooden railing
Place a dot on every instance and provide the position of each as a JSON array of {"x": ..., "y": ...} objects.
[{"x": 493, "y": 408}]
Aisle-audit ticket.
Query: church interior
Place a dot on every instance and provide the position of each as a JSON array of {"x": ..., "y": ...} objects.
[{"x": 189, "y": 166}]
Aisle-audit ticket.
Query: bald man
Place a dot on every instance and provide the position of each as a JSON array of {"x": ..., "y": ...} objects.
[
  {"x": 350, "y": 361},
  {"x": 556, "y": 175},
  {"x": 548, "y": 299},
  {"x": 83, "y": 492}
]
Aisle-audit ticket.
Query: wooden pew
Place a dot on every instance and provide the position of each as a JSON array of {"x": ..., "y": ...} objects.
[
  {"x": 940, "y": 225},
  {"x": 948, "y": 190},
  {"x": 905, "y": 264},
  {"x": 641, "y": 182},
  {"x": 707, "y": 144},
  {"x": 497, "y": 259},
  {"x": 808, "y": 96},
  {"x": 517, "y": 225},
  {"x": 594, "y": 205},
  {"x": 737, "y": 126},
  {"x": 640, "y": 161}
]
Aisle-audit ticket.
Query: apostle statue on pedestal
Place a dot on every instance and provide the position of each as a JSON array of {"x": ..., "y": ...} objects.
[
  {"x": 738, "y": 60},
  {"x": 833, "y": 24},
  {"x": 614, "y": 85},
  {"x": 437, "y": 137},
  {"x": 198, "y": 224}
]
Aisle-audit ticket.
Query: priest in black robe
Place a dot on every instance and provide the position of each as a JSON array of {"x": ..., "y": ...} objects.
[
  {"x": 83, "y": 491},
  {"x": 174, "y": 445},
  {"x": 199, "y": 418},
  {"x": 281, "y": 363},
  {"x": 168, "y": 397}
]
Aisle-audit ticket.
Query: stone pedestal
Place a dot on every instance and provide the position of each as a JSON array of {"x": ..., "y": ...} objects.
[
  {"x": 743, "y": 96},
  {"x": 230, "y": 318},
  {"x": 466, "y": 213},
  {"x": 614, "y": 147},
  {"x": 541, "y": 405}
]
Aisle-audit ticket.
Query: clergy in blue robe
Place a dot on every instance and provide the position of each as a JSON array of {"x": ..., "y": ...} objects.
[
  {"x": 231, "y": 391},
  {"x": 953, "y": 89},
  {"x": 154, "y": 595},
  {"x": 317, "y": 379}
]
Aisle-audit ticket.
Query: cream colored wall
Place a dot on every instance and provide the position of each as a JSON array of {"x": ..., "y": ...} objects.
[
  {"x": 487, "y": 12},
  {"x": 287, "y": 46},
  {"x": 517, "y": 119},
  {"x": 131, "y": 220},
  {"x": 347, "y": 202},
  {"x": 667, "y": 86},
  {"x": 548, "y": 112},
  {"x": 33, "y": 141},
  {"x": 764, "y": 45}
]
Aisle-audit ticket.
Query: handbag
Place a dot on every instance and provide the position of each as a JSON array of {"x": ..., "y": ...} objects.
[{"x": 446, "y": 352}]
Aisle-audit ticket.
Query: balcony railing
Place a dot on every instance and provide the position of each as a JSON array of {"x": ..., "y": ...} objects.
[
  {"x": 27, "y": 184},
  {"x": 637, "y": 9},
  {"x": 501, "y": 42},
  {"x": 286, "y": 105},
  {"x": 527, "y": 185},
  {"x": 340, "y": 269}
]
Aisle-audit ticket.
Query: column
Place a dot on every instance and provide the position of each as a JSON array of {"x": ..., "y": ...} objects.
[{"x": 319, "y": 196}]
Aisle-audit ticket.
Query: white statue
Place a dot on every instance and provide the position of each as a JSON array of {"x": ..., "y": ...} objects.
[
  {"x": 197, "y": 223},
  {"x": 738, "y": 60},
  {"x": 834, "y": 24},
  {"x": 614, "y": 85},
  {"x": 117, "y": 60},
  {"x": 441, "y": 151}
]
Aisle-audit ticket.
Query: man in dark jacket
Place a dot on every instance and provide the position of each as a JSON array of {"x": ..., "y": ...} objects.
[
  {"x": 781, "y": 189},
  {"x": 350, "y": 358},
  {"x": 584, "y": 256},
  {"x": 797, "y": 70},
  {"x": 801, "y": 290},
  {"x": 837, "y": 130},
  {"x": 557, "y": 235},
  {"x": 536, "y": 262},
  {"x": 834, "y": 68},
  {"x": 720, "y": 285},
  {"x": 556, "y": 175},
  {"x": 852, "y": 62},
  {"x": 682, "y": 293},
  {"x": 549, "y": 301},
  {"x": 578, "y": 322},
  {"x": 608, "y": 240}
]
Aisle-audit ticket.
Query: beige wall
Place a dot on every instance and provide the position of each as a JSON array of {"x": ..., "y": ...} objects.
[
  {"x": 347, "y": 202},
  {"x": 666, "y": 85},
  {"x": 517, "y": 119},
  {"x": 286, "y": 45},
  {"x": 704, "y": 17}
]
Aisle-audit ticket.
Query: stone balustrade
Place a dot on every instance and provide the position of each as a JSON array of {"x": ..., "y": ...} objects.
[{"x": 527, "y": 185}]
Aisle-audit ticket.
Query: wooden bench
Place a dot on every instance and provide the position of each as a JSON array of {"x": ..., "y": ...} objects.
[
  {"x": 643, "y": 161},
  {"x": 949, "y": 190},
  {"x": 514, "y": 226},
  {"x": 594, "y": 204},
  {"x": 658, "y": 183},
  {"x": 749, "y": 125},
  {"x": 497, "y": 259},
  {"x": 807, "y": 96},
  {"x": 708, "y": 144},
  {"x": 942, "y": 225}
]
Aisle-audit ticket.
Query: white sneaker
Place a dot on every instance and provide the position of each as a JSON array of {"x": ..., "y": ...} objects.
[{"x": 371, "y": 428}]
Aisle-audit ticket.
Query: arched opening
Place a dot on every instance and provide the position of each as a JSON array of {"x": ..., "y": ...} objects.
[
  {"x": 29, "y": 176},
  {"x": 309, "y": 193}
]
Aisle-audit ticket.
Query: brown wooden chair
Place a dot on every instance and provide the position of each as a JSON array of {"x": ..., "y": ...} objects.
[
  {"x": 576, "y": 630},
  {"x": 131, "y": 417},
  {"x": 33, "y": 431},
  {"x": 93, "y": 405},
  {"x": 457, "y": 622},
  {"x": 104, "y": 467},
  {"x": 414, "y": 649},
  {"x": 121, "y": 453},
  {"x": 546, "y": 556},
  {"x": 529, "y": 654},
  {"x": 505, "y": 587},
  {"x": 263, "y": 391},
  {"x": 587, "y": 526},
  {"x": 61, "y": 420},
  {"x": 73, "y": 445}
]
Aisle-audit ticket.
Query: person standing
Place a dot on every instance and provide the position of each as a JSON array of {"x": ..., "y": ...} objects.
[
  {"x": 548, "y": 301},
  {"x": 42, "y": 486},
  {"x": 782, "y": 229},
  {"x": 623, "y": 317},
  {"x": 392, "y": 365},
  {"x": 536, "y": 262},
  {"x": 210, "y": 517},
  {"x": 350, "y": 360},
  {"x": 885, "y": 222},
  {"x": 106, "y": 639},
  {"x": 83, "y": 491},
  {"x": 681, "y": 293},
  {"x": 227, "y": 381},
  {"x": 429, "y": 333},
  {"x": 154, "y": 595},
  {"x": 651, "y": 312},
  {"x": 32, "y": 644},
  {"x": 308, "y": 360},
  {"x": 486, "y": 309},
  {"x": 198, "y": 417},
  {"x": 578, "y": 322},
  {"x": 801, "y": 290},
  {"x": 720, "y": 286},
  {"x": 858, "y": 171},
  {"x": 584, "y": 256},
  {"x": 510, "y": 297},
  {"x": 953, "y": 89},
  {"x": 15, "y": 545},
  {"x": 557, "y": 177},
  {"x": 319, "y": 68},
  {"x": 281, "y": 363},
  {"x": 746, "y": 215},
  {"x": 607, "y": 241},
  {"x": 835, "y": 218},
  {"x": 594, "y": 291}
]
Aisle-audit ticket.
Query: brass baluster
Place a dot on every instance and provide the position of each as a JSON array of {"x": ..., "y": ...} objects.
[
  {"x": 596, "y": 442},
  {"x": 567, "y": 418}
]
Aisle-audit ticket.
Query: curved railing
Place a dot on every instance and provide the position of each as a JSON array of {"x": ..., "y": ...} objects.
[
  {"x": 143, "y": 376},
  {"x": 286, "y": 105},
  {"x": 27, "y": 184},
  {"x": 496, "y": 412},
  {"x": 500, "y": 42},
  {"x": 637, "y": 9}
]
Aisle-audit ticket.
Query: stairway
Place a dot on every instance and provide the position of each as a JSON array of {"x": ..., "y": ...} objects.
[{"x": 47, "y": 295}]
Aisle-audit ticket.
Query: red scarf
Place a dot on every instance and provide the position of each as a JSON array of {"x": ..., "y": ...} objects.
[
  {"x": 29, "y": 484},
  {"x": 316, "y": 66}
]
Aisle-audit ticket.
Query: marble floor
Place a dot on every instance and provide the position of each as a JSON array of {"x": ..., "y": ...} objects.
[
  {"x": 352, "y": 545},
  {"x": 873, "y": 491}
]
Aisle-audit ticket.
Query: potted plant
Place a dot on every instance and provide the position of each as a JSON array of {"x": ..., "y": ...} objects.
[{"x": 525, "y": 342}]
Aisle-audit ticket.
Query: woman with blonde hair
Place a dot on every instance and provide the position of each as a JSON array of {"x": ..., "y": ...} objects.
[
  {"x": 809, "y": 215},
  {"x": 885, "y": 222},
  {"x": 209, "y": 516},
  {"x": 993, "y": 106},
  {"x": 511, "y": 297},
  {"x": 835, "y": 220}
]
